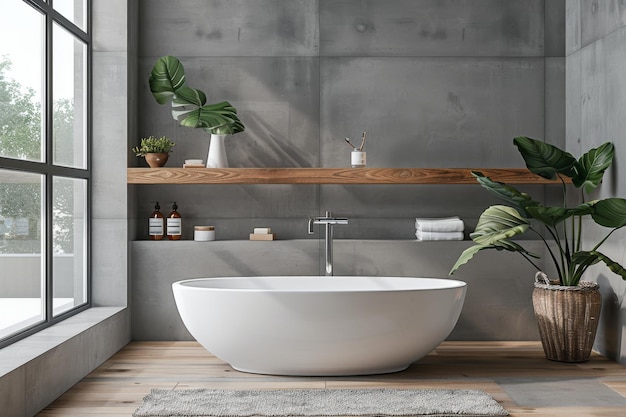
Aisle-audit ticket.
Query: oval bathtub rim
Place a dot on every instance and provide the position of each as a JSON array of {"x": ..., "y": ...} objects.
[{"x": 456, "y": 284}]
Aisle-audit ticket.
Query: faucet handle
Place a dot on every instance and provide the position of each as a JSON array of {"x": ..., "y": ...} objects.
[{"x": 326, "y": 220}]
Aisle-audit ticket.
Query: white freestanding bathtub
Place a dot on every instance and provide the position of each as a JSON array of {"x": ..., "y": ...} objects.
[{"x": 312, "y": 325}]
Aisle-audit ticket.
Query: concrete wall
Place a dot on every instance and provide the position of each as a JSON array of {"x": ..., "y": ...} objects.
[
  {"x": 436, "y": 83},
  {"x": 596, "y": 104},
  {"x": 114, "y": 79}
]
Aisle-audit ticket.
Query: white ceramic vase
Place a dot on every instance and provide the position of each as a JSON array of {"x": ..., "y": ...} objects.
[{"x": 217, "y": 152}]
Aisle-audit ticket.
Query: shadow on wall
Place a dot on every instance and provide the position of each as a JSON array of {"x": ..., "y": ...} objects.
[
  {"x": 266, "y": 146},
  {"x": 610, "y": 333}
]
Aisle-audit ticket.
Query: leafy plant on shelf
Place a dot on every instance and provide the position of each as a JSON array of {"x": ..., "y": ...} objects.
[
  {"x": 189, "y": 105},
  {"x": 498, "y": 224},
  {"x": 153, "y": 145}
]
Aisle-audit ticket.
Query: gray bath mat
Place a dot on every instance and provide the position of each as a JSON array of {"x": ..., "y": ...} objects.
[{"x": 318, "y": 402}]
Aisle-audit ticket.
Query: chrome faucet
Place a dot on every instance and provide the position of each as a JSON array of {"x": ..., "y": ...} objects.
[{"x": 329, "y": 221}]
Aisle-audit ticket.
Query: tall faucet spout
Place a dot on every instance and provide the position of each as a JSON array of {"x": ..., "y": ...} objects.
[
  {"x": 328, "y": 221},
  {"x": 329, "y": 250}
]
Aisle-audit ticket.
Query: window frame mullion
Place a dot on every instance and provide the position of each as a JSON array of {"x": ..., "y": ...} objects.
[{"x": 49, "y": 156}]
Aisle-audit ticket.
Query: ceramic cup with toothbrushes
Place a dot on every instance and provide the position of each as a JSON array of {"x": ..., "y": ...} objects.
[{"x": 358, "y": 157}]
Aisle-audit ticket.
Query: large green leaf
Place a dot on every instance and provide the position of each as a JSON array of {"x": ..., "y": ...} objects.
[
  {"x": 552, "y": 216},
  {"x": 467, "y": 255},
  {"x": 521, "y": 201},
  {"x": 201, "y": 118},
  {"x": 587, "y": 258},
  {"x": 167, "y": 76},
  {"x": 188, "y": 95},
  {"x": 610, "y": 212},
  {"x": 472, "y": 250},
  {"x": 497, "y": 224},
  {"x": 590, "y": 168},
  {"x": 495, "y": 227},
  {"x": 544, "y": 159},
  {"x": 229, "y": 129},
  {"x": 612, "y": 265}
]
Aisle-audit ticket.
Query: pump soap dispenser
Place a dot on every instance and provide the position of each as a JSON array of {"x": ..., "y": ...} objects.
[
  {"x": 174, "y": 224},
  {"x": 156, "y": 223}
]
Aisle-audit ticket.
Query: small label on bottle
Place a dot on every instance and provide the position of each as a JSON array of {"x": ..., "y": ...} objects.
[
  {"x": 174, "y": 226},
  {"x": 156, "y": 226}
]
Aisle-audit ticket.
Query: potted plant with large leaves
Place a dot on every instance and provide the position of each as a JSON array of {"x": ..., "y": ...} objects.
[
  {"x": 567, "y": 309},
  {"x": 190, "y": 108}
]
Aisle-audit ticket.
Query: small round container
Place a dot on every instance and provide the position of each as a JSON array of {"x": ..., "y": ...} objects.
[{"x": 203, "y": 233}]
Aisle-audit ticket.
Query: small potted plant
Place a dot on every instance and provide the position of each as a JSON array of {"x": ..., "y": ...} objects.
[
  {"x": 155, "y": 150},
  {"x": 567, "y": 309}
]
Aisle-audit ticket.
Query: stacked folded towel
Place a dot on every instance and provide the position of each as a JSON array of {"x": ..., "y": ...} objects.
[{"x": 447, "y": 228}]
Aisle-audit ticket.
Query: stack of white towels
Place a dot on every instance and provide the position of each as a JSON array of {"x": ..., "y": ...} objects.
[{"x": 447, "y": 228}]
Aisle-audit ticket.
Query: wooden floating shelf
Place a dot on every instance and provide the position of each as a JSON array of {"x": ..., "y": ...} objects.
[{"x": 329, "y": 176}]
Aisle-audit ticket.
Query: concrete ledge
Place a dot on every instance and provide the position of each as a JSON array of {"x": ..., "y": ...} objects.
[
  {"x": 497, "y": 305},
  {"x": 38, "y": 369}
]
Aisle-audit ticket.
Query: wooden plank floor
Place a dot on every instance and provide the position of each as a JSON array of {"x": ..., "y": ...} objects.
[{"x": 505, "y": 370}]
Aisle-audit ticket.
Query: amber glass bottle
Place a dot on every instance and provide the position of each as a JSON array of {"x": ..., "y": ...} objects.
[
  {"x": 174, "y": 224},
  {"x": 156, "y": 225}
]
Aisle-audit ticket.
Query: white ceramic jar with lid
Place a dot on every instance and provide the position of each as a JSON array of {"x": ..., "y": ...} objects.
[{"x": 203, "y": 233}]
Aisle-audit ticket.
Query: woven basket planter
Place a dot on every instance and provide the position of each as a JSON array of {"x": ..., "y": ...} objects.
[{"x": 568, "y": 319}]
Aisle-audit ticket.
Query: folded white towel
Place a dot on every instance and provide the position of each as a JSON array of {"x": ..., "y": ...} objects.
[
  {"x": 421, "y": 235},
  {"x": 436, "y": 219},
  {"x": 448, "y": 224}
]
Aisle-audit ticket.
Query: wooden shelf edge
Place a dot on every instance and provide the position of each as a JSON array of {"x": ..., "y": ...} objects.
[{"x": 329, "y": 176}]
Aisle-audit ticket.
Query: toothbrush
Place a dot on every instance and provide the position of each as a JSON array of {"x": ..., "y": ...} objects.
[
  {"x": 362, "y": 141},
  {"x": 351, "y": 145}
]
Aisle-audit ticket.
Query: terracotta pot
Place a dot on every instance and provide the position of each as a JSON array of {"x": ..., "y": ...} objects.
[
  {"x": 567, "y": 318},
  {"x": 157, "y": 160}
]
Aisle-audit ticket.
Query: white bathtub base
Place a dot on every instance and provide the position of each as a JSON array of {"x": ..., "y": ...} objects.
[
  {"x": 320, "y": 371},
  {"x": 318, "y": 326}
]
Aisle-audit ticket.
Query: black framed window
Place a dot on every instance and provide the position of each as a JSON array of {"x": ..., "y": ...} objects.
[{"x": 45, "y": 132}]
